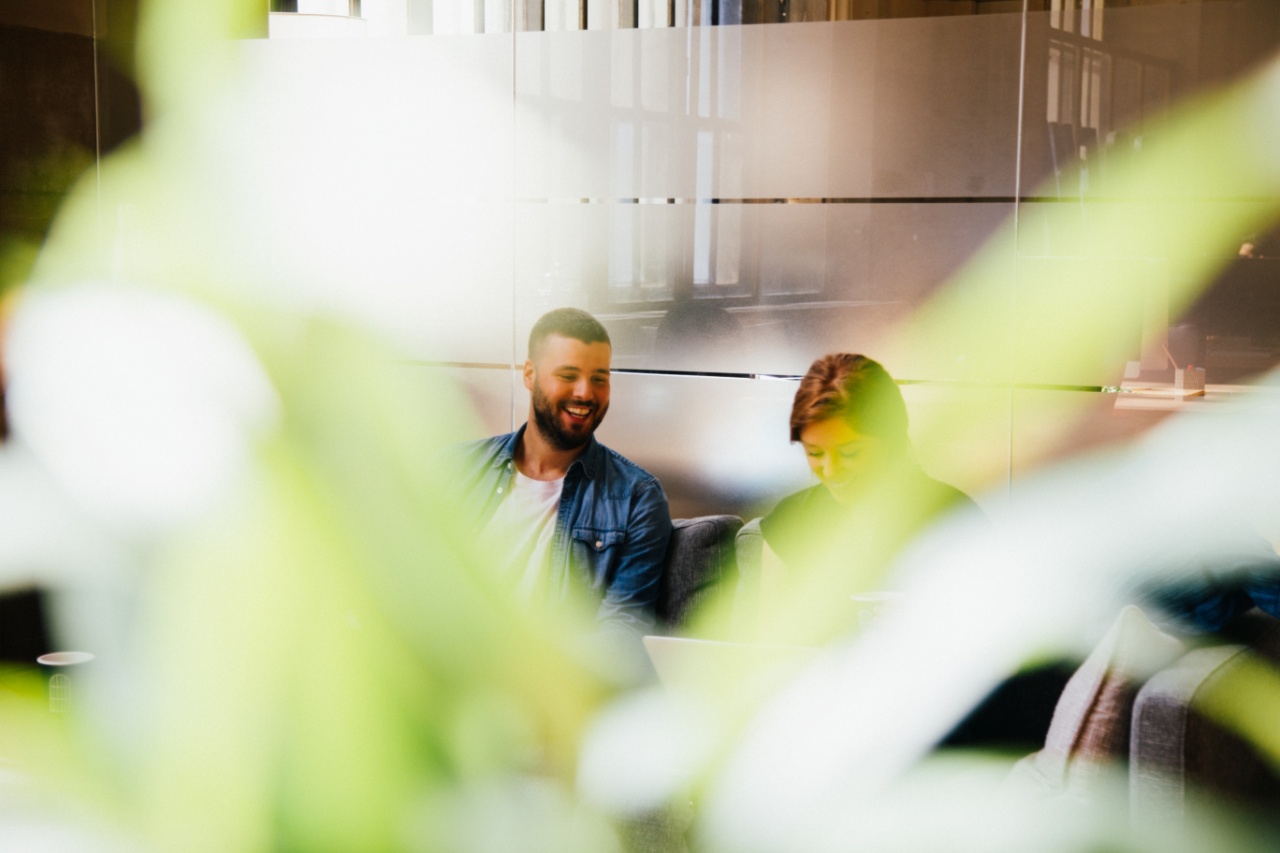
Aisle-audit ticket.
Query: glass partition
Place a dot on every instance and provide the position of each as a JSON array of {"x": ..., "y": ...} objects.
[
  {"x": 735, "y": 197},
  {"x": 734, "y": 200}
]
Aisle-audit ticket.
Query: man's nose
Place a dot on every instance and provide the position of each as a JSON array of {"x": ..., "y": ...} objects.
[
  {"x": 831, "y": 466},
  {"x": 583, "y": 390}
]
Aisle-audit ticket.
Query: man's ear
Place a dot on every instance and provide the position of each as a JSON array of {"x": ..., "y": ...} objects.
[{"x": 528, "y": 374}]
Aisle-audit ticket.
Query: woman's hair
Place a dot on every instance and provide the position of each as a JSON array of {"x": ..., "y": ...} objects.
[{"x": 857, "y": 390}]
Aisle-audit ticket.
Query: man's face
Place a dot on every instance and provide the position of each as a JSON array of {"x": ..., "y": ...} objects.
[{"x": 570, "y": 387}]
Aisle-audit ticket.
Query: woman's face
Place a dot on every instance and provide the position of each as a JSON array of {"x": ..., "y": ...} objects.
[{"x": 840, "y": 456}]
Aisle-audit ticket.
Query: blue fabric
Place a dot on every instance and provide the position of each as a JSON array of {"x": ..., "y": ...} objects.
[
  {"x": 612, "y": 525},
  {"x": 1207, "y": 595},
  {"x": 1201, "y": 607}
]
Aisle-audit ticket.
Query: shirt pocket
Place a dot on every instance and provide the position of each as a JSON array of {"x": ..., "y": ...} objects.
[{"x": 598, "y": 552}]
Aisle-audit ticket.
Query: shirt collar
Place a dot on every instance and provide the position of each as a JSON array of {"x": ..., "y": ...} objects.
[{"x": 590, "y": 460}]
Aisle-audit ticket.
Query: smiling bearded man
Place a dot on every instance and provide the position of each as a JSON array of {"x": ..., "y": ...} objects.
[
  {"x": 564, "y": 357},
  {"x": 564, "y": 509}
]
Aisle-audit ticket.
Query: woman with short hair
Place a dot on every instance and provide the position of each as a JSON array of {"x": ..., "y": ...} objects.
[{"x": 838, "y": 537}]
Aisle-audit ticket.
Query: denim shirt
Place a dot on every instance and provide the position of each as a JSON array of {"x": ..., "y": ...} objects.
[{"x": 612, "y": 525}]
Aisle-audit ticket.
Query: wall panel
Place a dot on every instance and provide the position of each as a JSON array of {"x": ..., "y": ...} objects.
[
  {"x": 735, "y": 200},
  {"x": 382, "y": 171}
]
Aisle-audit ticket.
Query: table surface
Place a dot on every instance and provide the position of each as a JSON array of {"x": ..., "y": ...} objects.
[{"x": 1164, "y": 396}]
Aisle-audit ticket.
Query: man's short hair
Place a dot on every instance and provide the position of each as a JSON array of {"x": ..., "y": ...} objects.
[
  {"x": 567, "y": 323},
  {"x": 855, "y": 389}
]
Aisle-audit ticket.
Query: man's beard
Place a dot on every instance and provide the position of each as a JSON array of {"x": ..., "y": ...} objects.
[{"x": 548, "y": 425}]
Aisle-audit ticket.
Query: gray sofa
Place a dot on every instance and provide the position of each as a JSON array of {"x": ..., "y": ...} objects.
[
  {"x": 1147, "y": 699},
  {"x": 700, "y": 560},
  {"x": 1183, "y": 742}
]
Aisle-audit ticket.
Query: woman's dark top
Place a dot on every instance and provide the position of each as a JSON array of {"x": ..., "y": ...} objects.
[{"x": 811, "y": 522}]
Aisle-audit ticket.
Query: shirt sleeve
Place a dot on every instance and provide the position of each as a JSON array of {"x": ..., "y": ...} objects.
[{"x": 628, "y": 604}]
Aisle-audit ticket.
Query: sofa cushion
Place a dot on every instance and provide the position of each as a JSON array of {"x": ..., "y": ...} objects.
[
  {"x": 699, "y": 558},
  {"x": 748, "y": 550},
  {"x": 1090, "y": 727},
  {"x": 1207, "y": 722}
]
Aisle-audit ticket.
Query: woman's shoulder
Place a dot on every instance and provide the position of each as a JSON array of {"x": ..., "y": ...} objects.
[
  {"x": 800, "y": 501},
  {"x": 946, "y": 498}
]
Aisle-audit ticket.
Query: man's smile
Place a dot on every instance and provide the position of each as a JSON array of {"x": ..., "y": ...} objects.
[{"x": 578, "y": 412}]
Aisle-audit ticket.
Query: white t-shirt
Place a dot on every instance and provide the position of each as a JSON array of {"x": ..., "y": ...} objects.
[{"x": 523, "y": 526}]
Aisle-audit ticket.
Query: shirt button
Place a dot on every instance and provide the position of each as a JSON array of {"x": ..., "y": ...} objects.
[
  {"x": 599, "y": 544},
  {"x": 499, "y": 489}
]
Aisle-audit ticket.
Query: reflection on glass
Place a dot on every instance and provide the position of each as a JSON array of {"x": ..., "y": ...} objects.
[{"x": 1079, "y": 18}]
